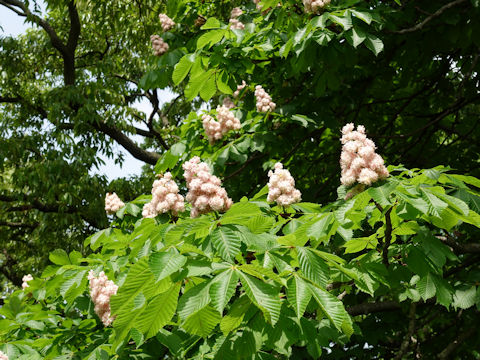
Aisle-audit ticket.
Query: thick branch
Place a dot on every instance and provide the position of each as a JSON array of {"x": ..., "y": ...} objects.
[
  {"x": 17, "y": 224},
  {"x": 136, "y": 151},
  {"x": 470, "y": 248},
  {"x": 437, "y": 13},
  {"x": 369, "y": 308},
  {"x": 388, "y": 237},
  {"x": 408, "y": 336}
]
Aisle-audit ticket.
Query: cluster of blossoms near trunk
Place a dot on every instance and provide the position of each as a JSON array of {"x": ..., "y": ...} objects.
[
  {"x": 359, "y": 161},
  {"x": 113, "y": 203},
  {"x": 25, "y": 280},
  {"x": 281, "y": 187},
  {"x": 227, "y": 121},
  {"x": 205, "y": 191},
  {"x": 165, "y": 197},
  {"x": 166, "y": 22},
  {"x": 315, "y": 6},
  {"x": 159, "y": 46},
  {"x": 101, "y": 289},
  {"x": 264, "y": 101}
]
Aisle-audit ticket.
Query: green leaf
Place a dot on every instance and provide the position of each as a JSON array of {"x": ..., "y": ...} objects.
[
  {"x": 222, "y": 82},
  {"x": 163, "y": 264},
  {"x": 382, "y": 193},
  {"x": 210, "y": 38},
  {"x": 264, "y": 296},
  {"x": 212, "y": 23},
  {"x": 362, "y": 15},
  {"x": 344, "y": 21},
  {"x": 226, "y": 241},
  {"x": 355, "y": 36},
  {"x": 202, "y": 322},
  {"x": 374, "y": 44},
  {"x": 435, "y": 205},
  {"x": 209, "y": 88},
  {"x": 235, "y": 316},
  {"x": 332, "y": 308},
  {"x": 321, "y": 227},
  {"x": 182, "y": 68},
  {"x": 298, "y": 294},
  {"x": 464, "y": 298},
  {"x": 222, "y": 289},
  {"x": 313, "y": 267},
  {"x": 196, "y": 84},
  {"x": 194, "y": 300},
  {"x": 158, "y": 312},
  {"x": 59, "y": 257},
  {"x": 426, "y": 287}
]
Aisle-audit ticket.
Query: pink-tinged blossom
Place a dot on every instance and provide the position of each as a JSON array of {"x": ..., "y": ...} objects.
[
  {"x": 3, "y": 356},
  {"x": 236, "y": 24},
  {"x": 236, "y": 12},
  {"x": 228, "y": 103},
  {"x": 113, "y": 203},
  {"x": 26, "y": 279},
  {"x": 264, "y": 101},
  {"x": 314, "y": 6},
  {"x": 257, "y": 3},
  {"x": 359, "y": 161},
  {"x": 227, "y": 121},
  {"x": 166, "y": 22},
  {"x": 239, "y": 88},
  {"x": 101, "y": 289},
  {"x": 205, "y": 192},
  {"x": 159, "y": 46},
  {"x": 165, "y": 197},
  {"x": 281, "y": 187}
]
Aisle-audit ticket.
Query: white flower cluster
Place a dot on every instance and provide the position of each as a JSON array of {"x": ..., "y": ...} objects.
[
  {"x": 166, "y": 22},
  {"x": 113, "y": 203},
  {"x": 239, "y": 88},
  {"x": 159, "y": 46},
  {"x": 227, "y": 102},
  {"x": 264, "y": 101},
  {"x": 315, "y": 6},
  {"x": 26, "y": 279},
  {"x": 165, "y": 197},
  {"x": 3, "y": 356},
  {"x": 226, "y": 122},
  {"x": 257, "y": 3},
  {"x": 205, "y": 192},
  {"x": 234, "y": 22},
  {"x": 101, "y": 289},
  {"x": 281, "y": 187},
  {"x": 359, "y": 161}
]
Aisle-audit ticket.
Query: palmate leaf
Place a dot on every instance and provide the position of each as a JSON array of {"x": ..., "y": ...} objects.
[
  {"x": 333, "y": 309},
  {"x": 263, "y": 295},
  {"x": 435, "y": 205},
  {"x": 158, "y": 312},
  {"x": 222, "y": 289},
  {"x": 298, "y": 294},
  {"x": 313, "y": 266},
  {"x": 163, "y": 264},
  {"x": 202, "y": 322},
  {"x": 226, "y": 241},
  {"x": 426, "y": 287}
]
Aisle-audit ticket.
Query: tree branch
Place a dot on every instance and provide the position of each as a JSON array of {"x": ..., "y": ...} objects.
[
  {"x": 437, "y": 13},
  {"x": 445, "y": 354},
  {"x": 388, "y": 237},
  {"x": 408, "y": 336},
  {"x": 470, "y": 248},
  {"x": 369, "y": 308}
]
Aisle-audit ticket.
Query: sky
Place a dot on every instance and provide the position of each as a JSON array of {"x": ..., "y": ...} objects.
[{"x": 12, "y": 25}]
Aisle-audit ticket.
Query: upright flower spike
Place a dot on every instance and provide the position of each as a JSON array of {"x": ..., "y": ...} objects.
[
  {"x": 165, "y": 197},
  {"x": 228, "y": 103},
  {"x": 166, "y": 22},
  {"x": 281, "y": 187},
  {"x": 101, "y": 289},
  {"x": 359, "y": 161},
  {"x": 25, "y": 280},
  {"x": 205, "y": 191},
  {"x": 3, "y": 356},
  {"x": 113, "y": 203},
  {"x": 159, "y": 46},
  {"x": 264, "y": 101},
  {"x": 215, "y": 130}
]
